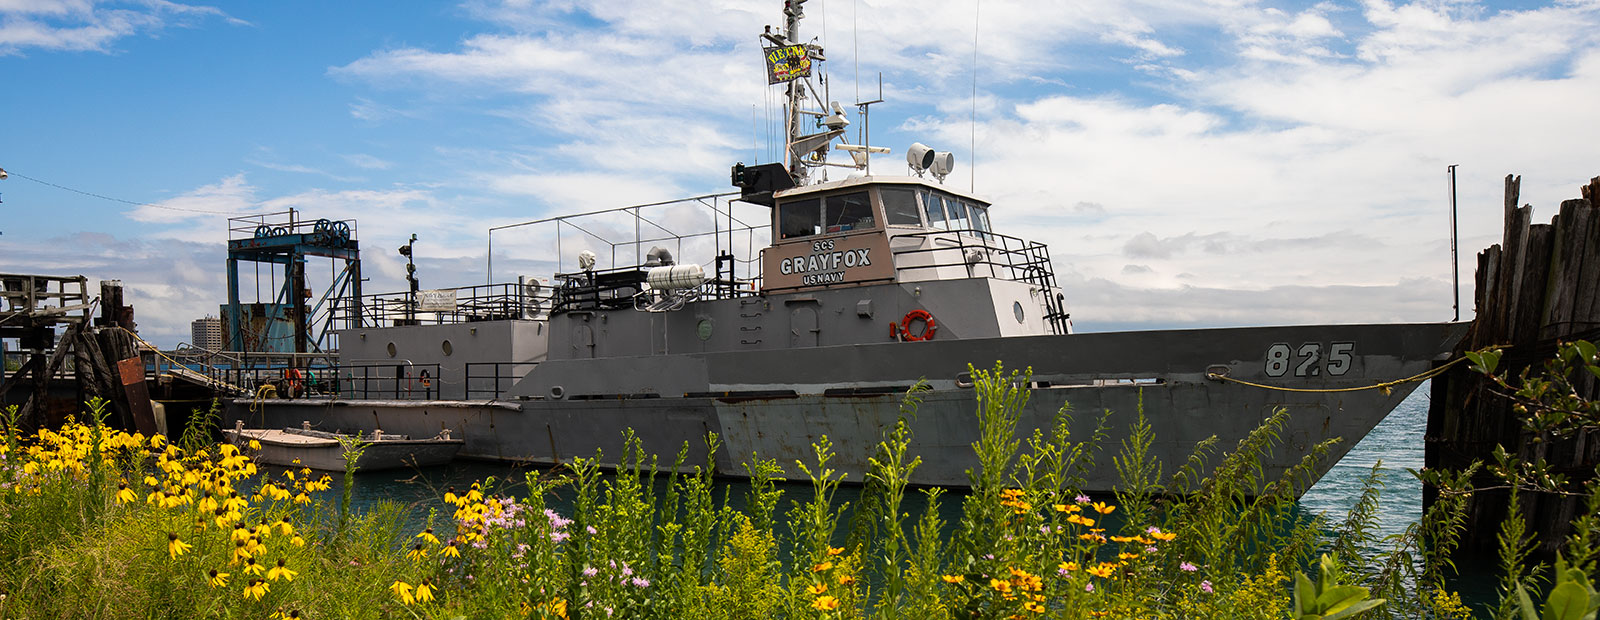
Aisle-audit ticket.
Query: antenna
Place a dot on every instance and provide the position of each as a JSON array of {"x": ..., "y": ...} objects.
[
  {"x": 972, "y": 185},
  {"x": 1455, "y": 263}
]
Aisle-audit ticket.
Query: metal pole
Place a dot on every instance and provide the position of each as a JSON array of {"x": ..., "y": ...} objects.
[{"x": 1455, "y": 263}]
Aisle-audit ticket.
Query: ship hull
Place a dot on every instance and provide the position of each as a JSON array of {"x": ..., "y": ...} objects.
[{"x": 757, "y": 404}]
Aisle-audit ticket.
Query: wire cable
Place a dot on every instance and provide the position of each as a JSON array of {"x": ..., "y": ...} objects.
[{"x": 112, "y": 199}]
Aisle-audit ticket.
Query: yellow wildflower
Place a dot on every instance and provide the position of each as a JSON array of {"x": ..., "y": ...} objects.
[
  {"x": 845, "y": 580},
  {"x": 1103, "y": 570},
  {"x": 125, "y": 494},
  {"x": 835, "y": 550},
  {"x": 176, "y": 547},
  {"x": 427, "y": 535},
  {"x": 257, "y": 589},
  {"x": 280, "y": 571},
  {"x": 402, "y": 591},
  {"x": 450, "y": 550},
  {"x": 825, "y": 603},
  {"x": 425, "y": 591},
  {"x": 251, "y": 567},
  {"x": 416, "y": 553},
  {"x": 1068, "y": 566},
  {"x": 1103, "y": 508},
  {"x": 218, "y": 579},
  {"x": 953, "y": 578},
  {"x": 821, "y": 567},
  {"x": 817, "y": 588}
]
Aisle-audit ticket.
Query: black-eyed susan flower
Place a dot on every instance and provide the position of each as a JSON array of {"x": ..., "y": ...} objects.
[
  {"x": 835, "y": 550},
  {"x": 425, "y": 591},
  {"x": 817, "y": 588},
  {"x": 416, "y": 553},
  {"x": 821, "y": 567},
  {"x": 402, "y": 591},
  {"x": 176, "y": 547},
  {"x": 125, "y": 494},
  {"x": 1103, "y": 508},
  {"x": 953, "y": 578},
  {"x": 284, "y": 527},
  {"x": 427, "y": 535},
  {"x": 280, "y": 571},
  {"x": 825, "y": 603},
  {"x": 251, "y": 567},
  {"x": 845, "y": 580},
  {"x": 219, "y": 579},
  {"x": 256, "y": 589},
  {"x": 450, "y": 550}
]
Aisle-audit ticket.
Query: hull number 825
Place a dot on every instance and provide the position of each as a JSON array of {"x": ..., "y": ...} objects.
[{"x": 1307, "y": 360}]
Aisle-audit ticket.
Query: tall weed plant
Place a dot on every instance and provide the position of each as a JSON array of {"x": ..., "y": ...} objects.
[{"x": 98, "y": 523}]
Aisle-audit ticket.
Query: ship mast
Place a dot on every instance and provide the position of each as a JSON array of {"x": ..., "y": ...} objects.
[{"x": 792, "y": 13}]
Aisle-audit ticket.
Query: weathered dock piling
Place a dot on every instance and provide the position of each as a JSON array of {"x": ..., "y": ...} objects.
[{"x": 1538, "y": 287}]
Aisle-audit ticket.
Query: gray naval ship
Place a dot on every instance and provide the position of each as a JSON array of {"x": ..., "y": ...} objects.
[{"x": 853, "y": 290}]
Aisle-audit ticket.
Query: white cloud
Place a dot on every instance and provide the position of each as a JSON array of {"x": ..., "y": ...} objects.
[
  {"x": 362, "y": 160},
  {"x": 90, "y": 25}
]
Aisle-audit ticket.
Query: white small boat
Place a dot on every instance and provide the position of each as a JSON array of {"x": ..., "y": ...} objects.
[{"x": 319, "y": 450}]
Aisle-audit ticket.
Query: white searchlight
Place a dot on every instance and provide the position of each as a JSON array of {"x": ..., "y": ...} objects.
[
  {"x": 943, "y": 163},
  {"x": 919, "y": 157}
]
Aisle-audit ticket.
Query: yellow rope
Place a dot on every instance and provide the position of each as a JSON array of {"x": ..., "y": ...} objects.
[
  {"x": 1429, "y": 374},
  {"x": 173, "y": 361}
]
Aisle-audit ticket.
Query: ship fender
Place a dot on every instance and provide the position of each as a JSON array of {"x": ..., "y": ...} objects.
[{"x": 913, "y": 316}]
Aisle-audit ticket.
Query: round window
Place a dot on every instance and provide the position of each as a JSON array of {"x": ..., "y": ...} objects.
[
  {"x": 392, "y": 350},
  {"x": 704, "y": 329},
  {"x": 447, "y": 348},
  {"x": 1016, "y": 310}
]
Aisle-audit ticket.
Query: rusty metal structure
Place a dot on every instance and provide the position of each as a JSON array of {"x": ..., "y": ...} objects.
[{"x": 284, "y": 243}]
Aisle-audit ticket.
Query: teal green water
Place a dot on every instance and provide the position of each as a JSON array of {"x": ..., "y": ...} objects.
[{"x": 1397, "y": 442}]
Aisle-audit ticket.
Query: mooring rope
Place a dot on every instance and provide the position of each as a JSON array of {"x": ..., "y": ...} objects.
[
  {"x": 174, "y": 362},
  {"x": 1385, "y": 386}
]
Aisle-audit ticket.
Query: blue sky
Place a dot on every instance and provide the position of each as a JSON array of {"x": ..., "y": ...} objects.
[{"x": 1213, "y": 162}]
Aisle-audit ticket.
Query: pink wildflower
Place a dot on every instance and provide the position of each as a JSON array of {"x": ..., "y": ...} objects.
[
  {"x": 1205, "y": 586},
  {"x": 1189, "y": 568}
]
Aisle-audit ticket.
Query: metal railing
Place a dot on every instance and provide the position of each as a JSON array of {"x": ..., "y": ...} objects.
[
  {"x": 490, "y": 380},
  {"x": 462, "y": 304},
  {"x": 989, "y": 253},
  {"x": 365, "y": 381}
]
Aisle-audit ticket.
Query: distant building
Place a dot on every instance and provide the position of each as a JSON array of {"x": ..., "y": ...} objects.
[{"x": 206, "y": 333}]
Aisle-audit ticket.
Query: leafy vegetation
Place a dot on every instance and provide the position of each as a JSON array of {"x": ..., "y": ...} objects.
[{"x": 98, "y": 523}]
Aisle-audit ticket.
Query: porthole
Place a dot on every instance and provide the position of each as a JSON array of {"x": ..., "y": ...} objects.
[
  {"x": 703, "y": 330},
  {"x": 1016, "y": 310},
  {"x": 445, "y": 346},
  {"x": 392, "y": 350}
]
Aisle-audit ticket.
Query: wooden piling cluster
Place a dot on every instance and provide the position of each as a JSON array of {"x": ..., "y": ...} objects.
[
  {"x": 105, "y": 358},
  {"x": 1538, "y": 287}
]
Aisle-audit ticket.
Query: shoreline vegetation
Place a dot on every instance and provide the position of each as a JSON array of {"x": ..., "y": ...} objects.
[{"x": 99, "y": 523}]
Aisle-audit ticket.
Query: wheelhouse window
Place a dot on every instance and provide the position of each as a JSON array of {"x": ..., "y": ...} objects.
[
  {"x": 799, "y": 218},
  {"x": 829, "y": 214},
  {"x": 956, "y": 212},
  {"x": 851, "y": 211},
  {"x": 980, "y": 218},
  {"x": 934, "y": 207},
  {"x": 900, "y": 206}
]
